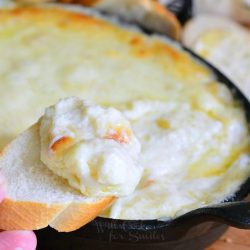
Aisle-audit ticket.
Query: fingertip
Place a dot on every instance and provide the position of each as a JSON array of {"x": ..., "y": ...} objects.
[{"x": 21, "y": 240}]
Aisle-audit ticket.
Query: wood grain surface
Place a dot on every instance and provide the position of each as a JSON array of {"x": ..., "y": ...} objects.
[{"x": 233, "y": 239}]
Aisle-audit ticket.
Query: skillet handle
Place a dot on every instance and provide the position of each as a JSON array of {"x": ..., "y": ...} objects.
[{"x": 236, "y": 214}]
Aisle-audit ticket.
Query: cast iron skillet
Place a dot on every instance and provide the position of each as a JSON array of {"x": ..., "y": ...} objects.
[{"x": 193, "y": 230}]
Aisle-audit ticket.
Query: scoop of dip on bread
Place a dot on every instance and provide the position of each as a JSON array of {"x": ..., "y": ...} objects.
[{"x": 93, "y": 147}]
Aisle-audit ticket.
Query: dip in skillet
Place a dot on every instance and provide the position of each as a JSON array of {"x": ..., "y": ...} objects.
[
  {"x": 193, "y": 155},
  {"x": 193, "y": 134}
]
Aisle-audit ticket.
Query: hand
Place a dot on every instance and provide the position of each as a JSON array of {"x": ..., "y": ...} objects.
[{"x": 15, "y": 240}]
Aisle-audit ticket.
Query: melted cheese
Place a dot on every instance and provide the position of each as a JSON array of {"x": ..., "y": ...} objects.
[
  {"x": 50, "y": 54},
  {"x": 92, "y": 147},
  {"x": 189, "y": 158}
]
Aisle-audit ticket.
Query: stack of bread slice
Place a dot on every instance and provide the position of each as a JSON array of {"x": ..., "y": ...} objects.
[
  {"x": 224, "y": 43},
  {"x": 149, "y": 14}
]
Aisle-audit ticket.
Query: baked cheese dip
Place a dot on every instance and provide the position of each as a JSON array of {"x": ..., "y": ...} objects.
[
  {"x": 194, "y": 136},
  {"x": 92, "y": 147},
  {"x": 191, "y": 156}
]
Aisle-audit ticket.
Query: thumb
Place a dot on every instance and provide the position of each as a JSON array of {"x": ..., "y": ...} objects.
[{"x": 17, "y": 240}]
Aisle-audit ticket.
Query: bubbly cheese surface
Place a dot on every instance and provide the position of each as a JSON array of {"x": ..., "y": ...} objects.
[
  {"x": 51, "y": 54},
  {"x": 191, "y": 157},
  {"x": 92, "y": 147},
  {"x": 194, "y": 136}
]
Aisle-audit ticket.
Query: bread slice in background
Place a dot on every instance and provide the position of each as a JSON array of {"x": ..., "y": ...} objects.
[
  {"x": 149, "y": 14},
  {"x": 35, "y": 196},
  {"x": 224, "y": 43},
  {"x": 235, "y": 9}
]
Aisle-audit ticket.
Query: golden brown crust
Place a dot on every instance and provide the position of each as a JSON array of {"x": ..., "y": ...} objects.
[
  {"x": 17, "y": 215},
  {"x": 61, "y": 144},
  {"x": 139, "y": 46},
  {"x": 79, "y": 214},
  {"x": 45, "y": 16},
  {"x": 26, "y": 215},
  {"x": 173, "y": 26},
  {"x": 156, "y": 16}
]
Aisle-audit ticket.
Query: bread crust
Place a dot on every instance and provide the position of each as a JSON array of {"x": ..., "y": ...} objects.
[
  {"x": 26, "y": 215},
  {"x": 165, "y": 21},
  {"x": 77, "y": 215}
]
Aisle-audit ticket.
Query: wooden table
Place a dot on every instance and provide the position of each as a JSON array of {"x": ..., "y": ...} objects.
[{"x": 233, "y": 239}]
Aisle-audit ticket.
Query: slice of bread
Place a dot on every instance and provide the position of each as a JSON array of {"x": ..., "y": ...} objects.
[
  {"x": 35, "y": 196},
  {"x": 147, "y": 13},
  {"x": 201, "y": 24},
  {"x": 224, "y": 43},
  {"x": 236, "y": 9}
]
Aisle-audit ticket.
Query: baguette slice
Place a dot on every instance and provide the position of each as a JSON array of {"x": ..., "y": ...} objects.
[
  {"x": 224, "y": 43},
  {"x": 35, "y": 196},
  {"x": 239, "y": 10},
  {"x": 199, "y": 25},
  {"x": 147, "y": 13}
]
